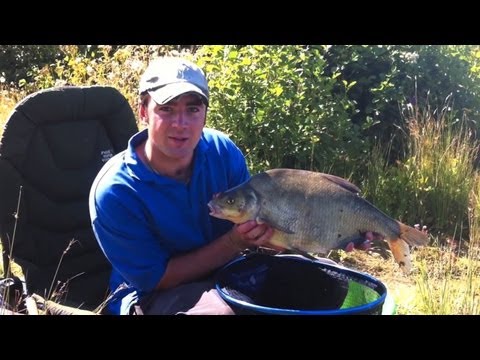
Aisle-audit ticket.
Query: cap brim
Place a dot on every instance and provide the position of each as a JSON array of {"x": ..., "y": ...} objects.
[{"x": 168, "y": 92}]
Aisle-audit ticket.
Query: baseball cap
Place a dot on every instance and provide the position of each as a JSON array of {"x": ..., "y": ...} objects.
[{"x": 168, "y": 77}]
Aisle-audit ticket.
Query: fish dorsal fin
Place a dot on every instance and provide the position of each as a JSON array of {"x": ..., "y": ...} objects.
[{"x": 347, "y": 185}]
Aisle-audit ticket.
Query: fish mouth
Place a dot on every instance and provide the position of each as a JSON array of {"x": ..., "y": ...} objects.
[{"x": 213, "y": 209}]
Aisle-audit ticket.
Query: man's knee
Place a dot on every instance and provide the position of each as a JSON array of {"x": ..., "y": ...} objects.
[{"x": 210, "y": 303}]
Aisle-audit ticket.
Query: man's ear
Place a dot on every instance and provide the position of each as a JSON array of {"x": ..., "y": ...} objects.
[{"x": 142, "y": 112}]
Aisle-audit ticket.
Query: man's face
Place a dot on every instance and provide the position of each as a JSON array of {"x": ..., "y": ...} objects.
[{"x": 174, "y": 129}]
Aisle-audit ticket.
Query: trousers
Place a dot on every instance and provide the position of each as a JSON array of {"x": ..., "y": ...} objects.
[{"x": 195, "y": 298}]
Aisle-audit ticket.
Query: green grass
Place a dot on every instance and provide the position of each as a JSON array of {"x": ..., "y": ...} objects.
[
  {"x": 436, "y": 184},
  {"x": 432, "y": 184}
]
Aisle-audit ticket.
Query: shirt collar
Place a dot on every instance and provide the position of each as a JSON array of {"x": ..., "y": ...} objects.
[{"x": 138, "y": 170}]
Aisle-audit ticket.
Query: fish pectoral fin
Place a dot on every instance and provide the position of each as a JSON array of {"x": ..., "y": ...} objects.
[{"x": 284, "y": 229}]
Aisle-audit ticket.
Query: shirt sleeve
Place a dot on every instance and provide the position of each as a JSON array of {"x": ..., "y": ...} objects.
[
  {"x": 128, "y": 242},
  {"x": 238, "y": 170}
]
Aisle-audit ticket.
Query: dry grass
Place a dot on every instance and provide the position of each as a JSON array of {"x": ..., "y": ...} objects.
[
  {"x": 7, "y": 103},
  {"x": 14, "y": 268},
  {"x": 379, "y": 263},
  {"x": 443, "y": 280}
]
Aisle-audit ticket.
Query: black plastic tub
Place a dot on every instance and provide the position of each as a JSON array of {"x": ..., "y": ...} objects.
[{"x": 292, "y": 285}]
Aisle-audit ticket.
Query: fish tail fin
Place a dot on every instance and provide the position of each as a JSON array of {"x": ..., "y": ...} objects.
[
  {"x": 400, "y": 246},
  {"x": 412, "y": 236},
  {"x": 401, "y": 254}
]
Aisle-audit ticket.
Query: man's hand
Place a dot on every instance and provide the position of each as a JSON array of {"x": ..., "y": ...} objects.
[
  {"x": 251, "y": 234},
  {"x": 365, "y": 242}
]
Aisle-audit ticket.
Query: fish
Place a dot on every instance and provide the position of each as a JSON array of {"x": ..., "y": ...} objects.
[{"x": 313, "y": 212}]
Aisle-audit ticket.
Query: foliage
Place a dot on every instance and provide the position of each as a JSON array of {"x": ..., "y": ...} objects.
[
  {"x": 280, "y": 109},
  {"x": 321, "y": 108},
  {"x": 117, "y": 66},
  {"x": 389, "y": 77},
  {"x": 19, "y": 61}
]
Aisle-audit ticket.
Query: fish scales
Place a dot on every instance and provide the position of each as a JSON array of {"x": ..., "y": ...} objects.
[{"x": 313, "y": 212}]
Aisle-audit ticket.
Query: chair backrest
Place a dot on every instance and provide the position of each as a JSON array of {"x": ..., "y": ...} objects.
[{"x": 53, "y": 145}]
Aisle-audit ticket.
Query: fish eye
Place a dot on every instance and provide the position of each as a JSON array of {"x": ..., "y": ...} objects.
[{"x": 230, "y": 201}]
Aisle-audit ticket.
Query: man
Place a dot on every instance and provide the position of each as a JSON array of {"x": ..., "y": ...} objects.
[{"x": 148, "y": 204}]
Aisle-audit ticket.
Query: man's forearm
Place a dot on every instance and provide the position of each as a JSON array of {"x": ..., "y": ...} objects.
[{"x": 200, "y": 262}]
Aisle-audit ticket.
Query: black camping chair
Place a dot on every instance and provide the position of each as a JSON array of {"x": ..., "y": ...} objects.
[{"x": 53, "y": 145}]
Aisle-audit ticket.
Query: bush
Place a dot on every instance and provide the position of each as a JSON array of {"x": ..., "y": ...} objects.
[
  {"x": 19, "y": 61},
  {"x": 117, "y": 66},
  {"x": 277, "y": 105},
  {"x": 387, "y": 78}
]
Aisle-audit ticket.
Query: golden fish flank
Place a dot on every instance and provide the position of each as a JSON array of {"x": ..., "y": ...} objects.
[{"x": 313, "y": 212}]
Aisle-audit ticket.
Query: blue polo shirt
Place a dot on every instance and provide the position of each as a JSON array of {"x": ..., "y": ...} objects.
[{"x": 142, "y": 219}]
